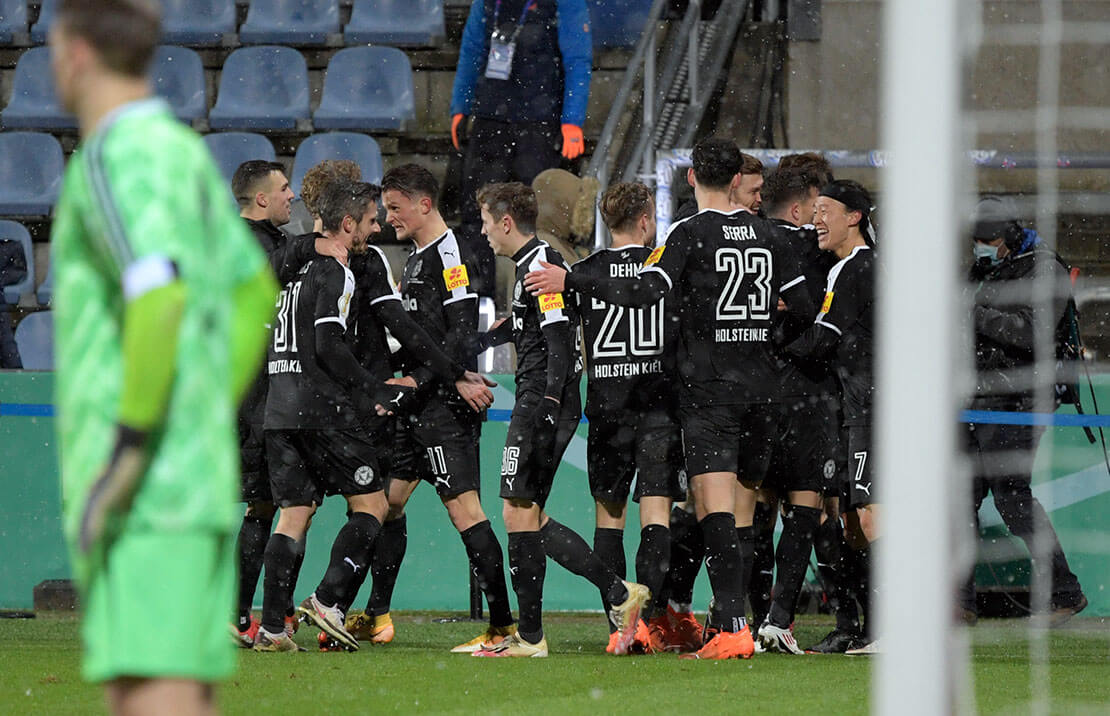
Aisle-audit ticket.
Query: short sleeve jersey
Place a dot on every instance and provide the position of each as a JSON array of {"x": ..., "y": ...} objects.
[
  {"x": 531, "y": 313},
  {"x": 374, "y": 285},
  {"x": 726, "y": 272},
  {"x": 628, "y": 354},
  {"x": 848, "y": 309},
  {"x": 815, "y": 265},
  {"x": 140, "y": 189},
  {"x": 435, "y": 287}
]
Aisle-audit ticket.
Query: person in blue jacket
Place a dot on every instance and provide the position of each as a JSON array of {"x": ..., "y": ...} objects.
[{"x": 524, "y": 79}]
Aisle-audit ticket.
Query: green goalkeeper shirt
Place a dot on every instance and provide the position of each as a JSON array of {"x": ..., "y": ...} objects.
[{"x": 143, "y": 186}]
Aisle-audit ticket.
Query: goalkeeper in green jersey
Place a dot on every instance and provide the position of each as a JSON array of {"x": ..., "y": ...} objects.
[{"x": 161, "y": 302}]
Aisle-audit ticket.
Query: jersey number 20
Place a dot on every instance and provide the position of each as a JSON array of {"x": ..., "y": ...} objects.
[{"x": 644, "y": 331}]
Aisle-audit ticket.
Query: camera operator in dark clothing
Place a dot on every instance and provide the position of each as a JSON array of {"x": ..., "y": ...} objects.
[{"x": 1004, "y": 316}]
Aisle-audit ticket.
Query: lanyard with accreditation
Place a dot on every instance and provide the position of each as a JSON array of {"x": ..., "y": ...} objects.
[{"x": 502, "y": 47}]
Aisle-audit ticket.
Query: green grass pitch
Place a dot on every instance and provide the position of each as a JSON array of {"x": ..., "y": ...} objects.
[{"x": 39, "y": 674}]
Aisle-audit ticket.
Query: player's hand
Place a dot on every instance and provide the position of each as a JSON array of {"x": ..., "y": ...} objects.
[
  {"x": 549, "y": 279},
  {"x": 475, "y": 390},
  {"x": 112, "y": 492},
  {"x": 332, "y": 249},
  {"x": 408, "y": 381},
  {"x": 573, "y": 143},
  {"x": 545, "y": 420},
  {"x": 781, "y": 306},
  {"x": 392, "y": 398},
  {"x": 458, "y": 131}
]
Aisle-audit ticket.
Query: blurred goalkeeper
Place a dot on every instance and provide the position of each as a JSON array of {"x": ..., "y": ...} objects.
[{"x": 161, "y": 305}]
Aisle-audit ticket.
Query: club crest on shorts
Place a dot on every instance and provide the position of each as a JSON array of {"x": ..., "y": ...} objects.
[
  {"x": 364, "y": 475},
  {"x": 683, "y": 481},
  {"x": 829, "y": 469}
]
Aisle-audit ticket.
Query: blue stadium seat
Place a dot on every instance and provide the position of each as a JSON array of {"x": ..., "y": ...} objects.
[
  {"x": 30, "y": 173},
  {"x": 201, "y": 23},
  {"x": 290, "y": 22},
  {"x": 35, "y": 338},
  {"x": 34, "y": 104},
  {"x": 360, "y": 148},
  {"x": 396, "y": 22},
  {"x": 261, "y": 88},
  {"x": 46, "y": 288},
  {"x": 617, "y": 23},
  {"x": 367, "y": 88},
  {"x": 230, "y": 149},
  {"x": 13, "y": 19},
  {"x": 14, "y": 231},
  {"x": 46, "y": 16},
  {"x": 177, "y": 74}
]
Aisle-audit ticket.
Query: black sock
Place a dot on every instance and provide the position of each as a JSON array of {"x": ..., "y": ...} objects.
[
  {"x": 687, "y": 553},
  {"x": 291, "y": 608},
  {"x": 350, "y": 554},
  {"x": 795, "y": 544},
  {"x": 759, "y": 560},
  {"x": 609, "y": 547},
  {"x": 389, "y": 552},
  {"x": 488, "y": 567},
  {"x": 653, "y": 561},
  {"x": 723, "y": 562},
  {"x": 528, "y": 566},
  {"x": 861, "y": 581},
  {"x": 828, "y": 545},
  {"x": 571, "y": 552},
  {"x": 254, "y": 533},
  {"x": 745, "y": 539},
  {"x": 871, "y": 586},
  {"x": 280, "y": 559}
]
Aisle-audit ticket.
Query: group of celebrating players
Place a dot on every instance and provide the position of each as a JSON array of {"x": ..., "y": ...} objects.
[{"x": 736, "y": 352}]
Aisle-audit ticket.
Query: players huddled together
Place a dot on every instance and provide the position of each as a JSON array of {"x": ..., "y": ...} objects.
[{"x": 728, "y": 383}]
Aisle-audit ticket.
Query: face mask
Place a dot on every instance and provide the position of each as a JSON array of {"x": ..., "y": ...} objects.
[{"x": 985, "y": 251}]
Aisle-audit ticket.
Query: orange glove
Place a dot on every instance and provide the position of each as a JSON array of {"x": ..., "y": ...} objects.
[
  {"x": 573, "y": 143},
  {"x": 455, "y": 122}
]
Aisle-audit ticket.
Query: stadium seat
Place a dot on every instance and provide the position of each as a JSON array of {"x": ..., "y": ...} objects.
[
  {"x": 261, "y": 88},
  {"x": 230, "y": 149},
  {"x": 35, "y": 338},
  {"x": 14, "y": 231},
  {"x": 360, "y": 148},
  {"x": 34, "y": 104},
  {"x": 13, "y": 20},
  {"x": 177, "y": 74},
  {"x": 46, "y": 288},
  {"x": 366, "y": 88},
  {"x": 30, "y": 173},
  {"x": 46, "y": 16},
  {"x": 290, "y": 22},
  {"x": 617, "y": 23},
  {"x": 396, "y": 22},
  {"x": 201, "y": 23}
]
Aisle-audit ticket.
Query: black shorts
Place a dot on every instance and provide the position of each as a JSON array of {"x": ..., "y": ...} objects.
[
  {"x": 805, "y": 456},
  {"x": 860, "y": 489},
  {"x": 524, "y": 475},
  {"x": 731, "y": 438},
  {"x": 308, "y": 465},
  {"x": 255, "y": 481},
  {"x": 630, "y": 444},
  {"x": 440, "y": 446}
]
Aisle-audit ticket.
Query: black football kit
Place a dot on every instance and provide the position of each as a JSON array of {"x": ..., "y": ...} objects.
[{"x": 630, "y": 403}]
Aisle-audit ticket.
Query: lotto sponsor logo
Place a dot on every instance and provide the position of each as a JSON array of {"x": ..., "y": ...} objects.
[
  {"x": 654, "y": 257},
  {"x": 551, "y": 302},
  {"x": 827, "y": 303},
  {"x": 456, "y": 277}
]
